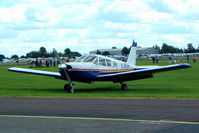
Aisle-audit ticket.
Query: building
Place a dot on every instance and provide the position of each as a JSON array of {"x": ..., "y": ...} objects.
[
  {"x": 118, "y": 51},
  {"x": 114, "y": 51},
  {"x": 147, "y": 50}
]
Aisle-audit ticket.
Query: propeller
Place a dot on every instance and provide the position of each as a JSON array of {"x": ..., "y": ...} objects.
[{"x": 63, "y": 68}]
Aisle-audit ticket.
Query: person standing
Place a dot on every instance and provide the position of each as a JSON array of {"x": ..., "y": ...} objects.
[
  {"x": 156, "y": 59},
  {"x": 153, "y": 59},
  {"x": 187, "y": 58}
]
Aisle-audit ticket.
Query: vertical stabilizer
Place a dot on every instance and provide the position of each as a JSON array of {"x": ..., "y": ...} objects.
[{"x": 132, "y": 55}]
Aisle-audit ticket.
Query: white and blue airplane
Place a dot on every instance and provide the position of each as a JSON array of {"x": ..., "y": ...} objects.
[{"x": 91, "y": 68}]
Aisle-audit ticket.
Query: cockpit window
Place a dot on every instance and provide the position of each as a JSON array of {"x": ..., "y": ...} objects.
[
  {"x": 80, "y": 59},
  {"x": 90, "y": 58}
]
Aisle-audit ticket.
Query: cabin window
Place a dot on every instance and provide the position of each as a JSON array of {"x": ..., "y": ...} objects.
[
  {"x": 114, "y": 64},
  {"x": 102, "y": 62},
  {"x": 108, "y": 62},
  {"x": 125, "y": 66}
]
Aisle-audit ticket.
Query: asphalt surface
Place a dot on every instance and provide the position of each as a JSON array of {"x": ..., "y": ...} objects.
[{"x": 87, "y": 115}]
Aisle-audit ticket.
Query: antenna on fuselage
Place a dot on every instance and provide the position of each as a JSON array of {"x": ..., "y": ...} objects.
[{"x": 132, "y": 55}]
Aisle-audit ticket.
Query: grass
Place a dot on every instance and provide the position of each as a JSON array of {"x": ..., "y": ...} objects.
[{"x": 172, "y": 84}]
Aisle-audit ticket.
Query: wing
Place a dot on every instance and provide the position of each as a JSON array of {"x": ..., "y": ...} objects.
[
  {"x": 139, "y": 74},
  {"x": 37, "y": 72}
]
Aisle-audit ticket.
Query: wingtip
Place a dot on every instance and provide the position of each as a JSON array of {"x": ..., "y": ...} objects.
[{"x": 185, "y": 65}]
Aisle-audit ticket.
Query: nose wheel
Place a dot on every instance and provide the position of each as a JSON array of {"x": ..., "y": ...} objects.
[
  {"x": 69, "y": 88},
  {"x": 124, "y": 86}
]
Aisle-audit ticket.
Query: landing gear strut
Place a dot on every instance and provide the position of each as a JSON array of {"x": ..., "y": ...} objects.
[
  {"x": 124, "y": 86},
  {"x": 70, "y": 86}
]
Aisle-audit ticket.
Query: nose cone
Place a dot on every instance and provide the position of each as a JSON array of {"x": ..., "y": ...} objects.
[
  {"x": 61, "y": 66},
  {"x": 185, "y": 65}
]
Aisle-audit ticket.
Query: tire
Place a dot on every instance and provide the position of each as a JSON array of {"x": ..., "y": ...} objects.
[
  {"x": 66, "y": 87},
  {"x": 69, "y": 88}
]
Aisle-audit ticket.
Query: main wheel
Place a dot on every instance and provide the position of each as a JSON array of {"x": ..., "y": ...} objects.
[{"x": 124, "y": 87}]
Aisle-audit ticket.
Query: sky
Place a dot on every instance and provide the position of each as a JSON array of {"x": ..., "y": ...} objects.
[{"x": 85, "y": 25}]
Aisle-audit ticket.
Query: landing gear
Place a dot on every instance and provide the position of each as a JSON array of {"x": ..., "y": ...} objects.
[
  {"x": 124, "y": 86},
  {"x": 69, "y": 88}
]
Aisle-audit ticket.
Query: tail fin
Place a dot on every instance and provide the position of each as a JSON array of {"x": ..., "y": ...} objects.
[{"x": 132, "y": 55}]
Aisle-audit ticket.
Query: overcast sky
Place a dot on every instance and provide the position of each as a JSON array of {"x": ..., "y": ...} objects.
[{"x": 84, "y": 25}]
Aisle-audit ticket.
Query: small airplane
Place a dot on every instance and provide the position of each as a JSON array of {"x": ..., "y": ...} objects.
[{"x": 91, "y": 68}]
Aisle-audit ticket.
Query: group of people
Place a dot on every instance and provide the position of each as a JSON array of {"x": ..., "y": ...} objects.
[
  {"x": 155, "y": 59},
  {"x": 48, "y": 62},
  {"x": 193, "y": 58}
]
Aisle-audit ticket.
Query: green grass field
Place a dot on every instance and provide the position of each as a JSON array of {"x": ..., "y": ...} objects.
[{"x": 172, "y": 84}]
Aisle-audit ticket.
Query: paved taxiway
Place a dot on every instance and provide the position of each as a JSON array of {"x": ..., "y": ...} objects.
[{"x": 38, "y": 115}]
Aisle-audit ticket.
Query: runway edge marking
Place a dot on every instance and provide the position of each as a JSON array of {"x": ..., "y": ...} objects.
[{"x": 103, "y": 119}]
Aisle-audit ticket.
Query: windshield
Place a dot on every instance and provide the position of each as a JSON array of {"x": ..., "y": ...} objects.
[
  {"x": 80, "y": 59},
  {"x": 90, "y": 58}
]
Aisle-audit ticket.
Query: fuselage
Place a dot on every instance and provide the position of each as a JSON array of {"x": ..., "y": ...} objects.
[{"x": 87, "y": 68}]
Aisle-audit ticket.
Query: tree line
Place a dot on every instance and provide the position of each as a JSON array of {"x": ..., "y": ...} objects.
[
  {"x": 42, "y": 52},
  {"x": 168, "y": 49}
]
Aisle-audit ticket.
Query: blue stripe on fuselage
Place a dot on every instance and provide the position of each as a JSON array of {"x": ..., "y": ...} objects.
[
  {"x": 86, "y": 75},
  {"x": 80, "y": 75}
]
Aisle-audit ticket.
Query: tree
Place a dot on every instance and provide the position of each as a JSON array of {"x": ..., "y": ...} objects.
[
  {"x": 169, "y": 49},
  {"x": 60, "y": 54},
  {"x": 67, "y": 51},
  {"x": 98, "y": 52},
  {"x": 75, "y": 54},
  {"x": 43, "y": 52},
  {"x": 14, "y": 57},
  {"x": 52, "y": 54},
  {"x": 157, "y": 48},
  {"x": 165, "y": 48},
  {"x": 105, "y": 53},
  {"x": 190, "y": 48},
  {"x": 2, "y": 56},
  {"x": 70, "y": 54},
  {"x": 198, "y": 49},
  {"x": 22, "y": 56},
  {"x": 33, "y": 54},
  {"x": 125, "y": 51}
]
